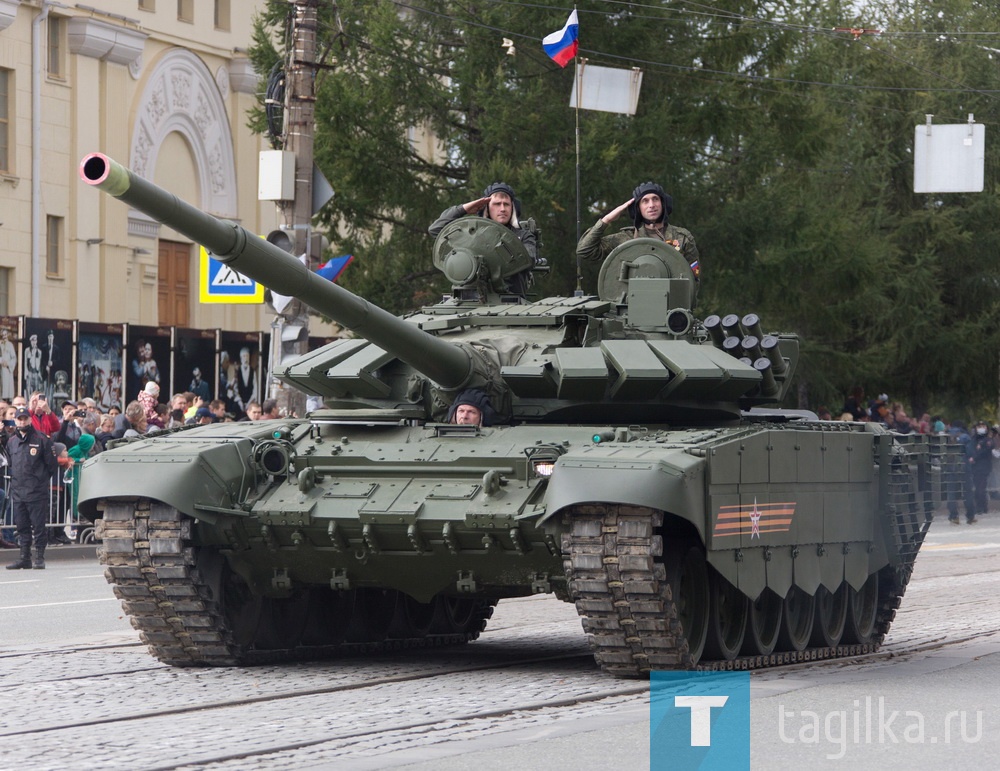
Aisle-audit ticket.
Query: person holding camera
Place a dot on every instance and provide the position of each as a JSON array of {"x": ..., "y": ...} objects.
[
  {"x": 70, "y": 430},
  {"x": 42, "y": 417}
]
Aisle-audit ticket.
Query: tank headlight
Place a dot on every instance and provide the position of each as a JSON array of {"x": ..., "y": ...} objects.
[{"x": 542, "y": 458}]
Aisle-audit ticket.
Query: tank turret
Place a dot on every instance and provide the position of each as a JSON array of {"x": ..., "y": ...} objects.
[{"x": 634, "y": 352}]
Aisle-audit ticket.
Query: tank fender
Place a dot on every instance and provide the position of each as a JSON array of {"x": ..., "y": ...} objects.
[
  {"x": 187, "y": 473},
  {"x": 674, "y": 483}
]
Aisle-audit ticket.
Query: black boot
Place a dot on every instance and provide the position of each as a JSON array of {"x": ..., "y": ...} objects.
[
  {"x": 25, "y": 562},
  {"x": 39, "y": 563}
]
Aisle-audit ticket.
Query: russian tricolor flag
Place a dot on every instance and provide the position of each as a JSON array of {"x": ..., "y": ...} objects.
[
  {"x": 562, "y": 46},
  {"x": 332, "y": 269}
]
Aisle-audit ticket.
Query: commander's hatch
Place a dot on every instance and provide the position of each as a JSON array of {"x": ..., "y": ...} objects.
[{"x": 653, "y": 282}]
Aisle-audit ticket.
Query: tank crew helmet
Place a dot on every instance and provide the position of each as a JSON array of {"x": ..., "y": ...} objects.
[
  {"x": 473, "y": 397},
  {"x": 503, "y": 187},
  {"x": 643, "y": 190}
]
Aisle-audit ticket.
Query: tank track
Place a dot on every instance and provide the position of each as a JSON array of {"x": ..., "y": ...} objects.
[
  {"x": 151, "y": 562},
  {"x": 622, "y": 594}
]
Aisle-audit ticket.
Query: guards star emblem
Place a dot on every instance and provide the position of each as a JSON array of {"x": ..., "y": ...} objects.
[{"x": 755, "y": 521}]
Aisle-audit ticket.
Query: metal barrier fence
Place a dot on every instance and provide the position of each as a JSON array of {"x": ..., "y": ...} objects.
[{"x": 62, "y": 520}]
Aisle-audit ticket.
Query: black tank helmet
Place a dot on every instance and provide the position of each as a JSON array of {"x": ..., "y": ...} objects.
[
  {"x": 474, "y": 397},
  {"x": 643, "y": 190},
  {"x": 503, "y": 187}
]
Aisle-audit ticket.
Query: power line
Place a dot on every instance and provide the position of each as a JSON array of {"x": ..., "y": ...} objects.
[
  {"x": 725, "y": 16},
  {"x": 688, "y": 68}
]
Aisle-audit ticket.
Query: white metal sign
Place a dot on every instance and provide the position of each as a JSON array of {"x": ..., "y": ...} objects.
[
  {"x": 949, "y": 159},
  {"x": 609, "y": 89}
]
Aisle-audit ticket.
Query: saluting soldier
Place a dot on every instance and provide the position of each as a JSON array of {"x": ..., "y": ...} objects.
[{"x": 649, "y": 208}]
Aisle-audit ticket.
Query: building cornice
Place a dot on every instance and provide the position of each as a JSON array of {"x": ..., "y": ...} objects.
[
  {"x": 107, "y": 42},
  {"x": 242, "y": 76},
  {"x": 8, "y": 11}
]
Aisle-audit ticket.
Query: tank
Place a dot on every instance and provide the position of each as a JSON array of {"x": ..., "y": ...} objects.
[{"x": 635, "y": 466}]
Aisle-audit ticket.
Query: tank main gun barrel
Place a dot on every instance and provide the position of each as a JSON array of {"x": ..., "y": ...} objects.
[{"x": 447, "y": 364}]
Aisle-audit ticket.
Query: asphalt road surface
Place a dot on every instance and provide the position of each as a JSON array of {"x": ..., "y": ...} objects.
[{"x": 77, "y": 690}]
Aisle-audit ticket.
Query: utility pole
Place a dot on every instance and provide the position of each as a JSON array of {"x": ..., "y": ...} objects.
[{"x": 290, "y": 331}]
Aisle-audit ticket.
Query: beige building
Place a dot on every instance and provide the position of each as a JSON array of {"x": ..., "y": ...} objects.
[{"x": 161, "y": 86}]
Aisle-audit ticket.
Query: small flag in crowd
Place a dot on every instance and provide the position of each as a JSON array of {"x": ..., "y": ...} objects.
[
  {"x": 332, "y": 269},
  {"x": 562, "y": 46}
]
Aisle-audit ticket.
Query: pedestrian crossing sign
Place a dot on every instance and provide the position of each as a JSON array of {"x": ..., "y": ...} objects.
[{"x": 221, "y": 284}]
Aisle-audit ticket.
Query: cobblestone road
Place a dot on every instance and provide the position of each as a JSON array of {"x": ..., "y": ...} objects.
[{"x": 105, "y": 704}]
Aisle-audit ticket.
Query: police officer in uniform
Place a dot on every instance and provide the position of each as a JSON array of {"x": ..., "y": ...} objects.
[{"x": 32, "y": 464}]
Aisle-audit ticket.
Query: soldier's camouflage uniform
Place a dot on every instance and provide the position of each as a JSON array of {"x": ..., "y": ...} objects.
[{"x": 596, "y": 246}]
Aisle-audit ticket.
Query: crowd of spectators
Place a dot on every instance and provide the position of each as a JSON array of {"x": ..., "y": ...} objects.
[
  {"x": 83, "y": 430},
  {"x": 74, "y": 431},
  {"x": 980, "y": 445}
]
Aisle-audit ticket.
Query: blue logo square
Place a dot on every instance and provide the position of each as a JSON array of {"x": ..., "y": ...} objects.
[{"x": 699, "y": 720}]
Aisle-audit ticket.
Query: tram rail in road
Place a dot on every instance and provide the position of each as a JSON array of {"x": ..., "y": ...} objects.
[{"x": 73, "y": 675}]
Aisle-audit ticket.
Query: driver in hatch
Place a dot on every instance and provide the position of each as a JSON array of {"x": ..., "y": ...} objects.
[{"x": 471, "y": 408}]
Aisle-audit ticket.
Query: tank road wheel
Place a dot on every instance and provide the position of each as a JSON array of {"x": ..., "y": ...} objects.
[
  {"x": 687, "y": 574},
  {"x": 239, "y": 606},
  {"x": 374, "y": 610},
  {"x": 466, "y": 616},
  {"x": 282, "y": 621},
  {"x": 451, "y": 614},
  {"x": 412, "y": 619},
  {"x": 798, "y": 613},
  {"x": 763, "y": 624},
  {"x": 862, "y": 607},
  {"x": 727, "y": 619},
  {"x": 831, "y": 616},
  {"x": 328, "y": 616}
]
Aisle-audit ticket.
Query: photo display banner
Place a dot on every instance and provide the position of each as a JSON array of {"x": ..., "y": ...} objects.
[
  {"x": 100, "y": 363},
  {"x": 47, "y": 357},
  {"x": 239, "y": 370},
  {"x": 147, "y": 357},
  {"x": 10, "y": 337},
  {"x": 194, "y": 363}
]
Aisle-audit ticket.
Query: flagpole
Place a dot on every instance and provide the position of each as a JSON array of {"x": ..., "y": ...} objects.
[
  {"x": 558, "y": 45},
  {"x": 579, "y": 268}
]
